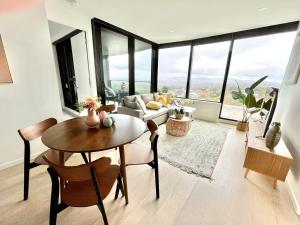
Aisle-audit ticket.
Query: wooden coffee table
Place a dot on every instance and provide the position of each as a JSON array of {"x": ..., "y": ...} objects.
[{"x": 177, "y": 127}]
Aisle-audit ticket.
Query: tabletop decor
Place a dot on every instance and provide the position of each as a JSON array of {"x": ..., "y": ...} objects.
[
  {"x": 91, "y": 104},
  {"x": 107, "y": 122},
  {"x": 273, "y": 136},
  {"x": 179, "y": 112},
  {"x": 102, "y": 116}
]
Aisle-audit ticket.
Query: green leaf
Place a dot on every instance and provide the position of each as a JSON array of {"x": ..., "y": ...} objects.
[
  {"x": 259, "y": 103},
  {"x": 255, "y": 84},
  {"x": 250, "y": 101},
  {"x": 267, "y": 104}
]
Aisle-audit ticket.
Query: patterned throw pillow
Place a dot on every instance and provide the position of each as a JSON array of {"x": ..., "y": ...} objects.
[{"x": 154, "y": 105}]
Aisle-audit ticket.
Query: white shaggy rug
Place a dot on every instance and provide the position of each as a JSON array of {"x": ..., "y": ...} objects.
[{"x": 195, "y": 153}]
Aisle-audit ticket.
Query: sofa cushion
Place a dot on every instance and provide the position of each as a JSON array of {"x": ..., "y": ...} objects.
[
  {"x": 154, "y": 105},
  {"x": 151, "y": 114},
  {"x": 140, "y": 103},
  {"x": 129, "y": 101},
  {"x": 147, "y": 97}
]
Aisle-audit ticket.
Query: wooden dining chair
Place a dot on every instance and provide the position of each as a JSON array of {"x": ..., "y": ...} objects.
[
  {"x": 82, "y": 186},
  {"x": 28, "y": 134},
  {"x": 136, "y": 154}
]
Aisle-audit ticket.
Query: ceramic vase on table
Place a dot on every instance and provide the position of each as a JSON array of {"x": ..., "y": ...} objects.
[
  {"x": 273, "y": 136},
  {"x": 92, "y": 120},
  {"x": 102, "y": 116}
]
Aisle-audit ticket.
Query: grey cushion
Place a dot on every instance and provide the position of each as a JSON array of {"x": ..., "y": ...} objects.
[
  {"x": 140, "y": 103},
  {"x": 147, "y": 97},
  {"x": 151, "y": 114},
  {"x": 130, "y": 102}
]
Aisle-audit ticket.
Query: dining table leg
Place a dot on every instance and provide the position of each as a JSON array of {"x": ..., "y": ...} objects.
[
  {"x": 123, "y": 171},
  {"x": 62, "y": 163}
]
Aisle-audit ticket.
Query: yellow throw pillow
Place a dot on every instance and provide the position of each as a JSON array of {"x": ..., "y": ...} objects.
[
  {"x": 162, "y": 99},
  {"x": 153, "y": 105},
  {"x": 169, "y": 98}
]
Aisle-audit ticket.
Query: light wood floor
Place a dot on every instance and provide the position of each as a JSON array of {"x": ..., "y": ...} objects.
[{"x": 185, "y": 199}]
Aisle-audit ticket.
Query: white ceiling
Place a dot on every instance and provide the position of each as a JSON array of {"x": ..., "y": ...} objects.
[{"x": 190, "y": 19}]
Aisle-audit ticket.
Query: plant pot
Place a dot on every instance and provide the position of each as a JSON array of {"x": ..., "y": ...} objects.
[
  {"x": 242, "y": 126},
  {"x": 179, "y": 116},
  {"x": 92, "y": 120}
]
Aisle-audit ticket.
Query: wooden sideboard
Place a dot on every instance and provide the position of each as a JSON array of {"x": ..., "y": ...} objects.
[{"x": 259, "y": 158}]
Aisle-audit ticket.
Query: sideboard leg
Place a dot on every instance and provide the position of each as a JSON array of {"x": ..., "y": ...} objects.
[
  {"x": 274, "y": 183},
  {"x": 246, "y": 172}
]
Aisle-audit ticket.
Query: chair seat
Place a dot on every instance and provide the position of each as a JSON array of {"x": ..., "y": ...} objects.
[
  {"x": 82, "y": 193},
  {"x": 136, "y": 154},
  {"x": 52, "y": 155}
]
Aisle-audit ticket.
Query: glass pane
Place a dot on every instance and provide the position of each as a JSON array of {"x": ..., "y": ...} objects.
[
  {"x": 142, "y": 63},
  {"x": 253, "y": 58},
  {"x": 115, "y": 64},
  {"x": 173, "y": 66},
  {"x": 208, "y": 70}
]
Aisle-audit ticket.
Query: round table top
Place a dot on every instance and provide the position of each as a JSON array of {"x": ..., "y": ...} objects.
[{"x": 74, "y": 136}]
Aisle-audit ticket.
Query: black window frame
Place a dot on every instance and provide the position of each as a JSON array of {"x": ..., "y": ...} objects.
[{"x": 97, "y": 24}]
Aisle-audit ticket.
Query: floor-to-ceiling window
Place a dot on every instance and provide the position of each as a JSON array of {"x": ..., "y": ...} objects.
[
  {"x": 115, "y": 64},
  {"x": 208, "y": 69},
  {"x": 173, "y": 66},
  {"x": 142, "y": 66},
  {"x": 253, "y": 58}
]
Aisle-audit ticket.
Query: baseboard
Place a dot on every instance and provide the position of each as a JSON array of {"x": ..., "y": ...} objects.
[
  {"x": 296, "y": 204},
  {"x": 15, "y": 162}
]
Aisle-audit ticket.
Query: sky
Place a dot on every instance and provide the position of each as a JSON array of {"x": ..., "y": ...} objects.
[{"x": 252, "y": 58}]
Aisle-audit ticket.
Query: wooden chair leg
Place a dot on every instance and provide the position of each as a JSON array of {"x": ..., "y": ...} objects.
[
  {"x": 54, "y": 197},
  {"x": 26, "y": 174},
  {"x": 119, "y": 187},
  {"x": 102, "y": 210},
  {"x": 156, "y": 180},
  {"x": 84, "y": 157},
  {"x": 90, "y": 157}
]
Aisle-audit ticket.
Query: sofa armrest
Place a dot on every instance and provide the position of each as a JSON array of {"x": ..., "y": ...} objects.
[{"x": 131, "y": 112}]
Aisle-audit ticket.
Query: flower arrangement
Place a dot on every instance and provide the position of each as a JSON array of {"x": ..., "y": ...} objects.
[{"x": 89, "y": 103}]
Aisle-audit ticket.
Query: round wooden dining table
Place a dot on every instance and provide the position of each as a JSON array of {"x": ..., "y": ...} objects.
[{"x": 74, "y": 136}]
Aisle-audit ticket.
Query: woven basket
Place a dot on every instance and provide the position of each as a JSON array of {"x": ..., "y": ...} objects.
[{"x": 242, "y": 126}]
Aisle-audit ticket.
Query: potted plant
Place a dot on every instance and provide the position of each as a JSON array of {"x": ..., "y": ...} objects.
[
  {"x": 249, "y": 102},
  {"x": 179, "y": 113}
]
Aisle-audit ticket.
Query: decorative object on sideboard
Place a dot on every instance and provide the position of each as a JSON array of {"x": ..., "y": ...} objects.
[
  {"x": 250, "y": 104},
  {"x": 273, "y": 136},
  {"x": 5, "y": 76},
  {"x": 91, "y": 104}
]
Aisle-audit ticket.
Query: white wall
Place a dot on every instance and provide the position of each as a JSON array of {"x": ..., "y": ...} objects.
[
  {"x": 67, "y": 14},
  {"x": 288, "y": 113},
  {"x": 34, "y": 95}
]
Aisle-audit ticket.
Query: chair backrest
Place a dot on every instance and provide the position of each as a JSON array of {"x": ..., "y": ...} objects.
[
  {"x": 107, "y": 108},
  {"x": 80, "y": 172},
  {"x": 153, "y": 128},
  {"x": 34, "y": 131}
]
